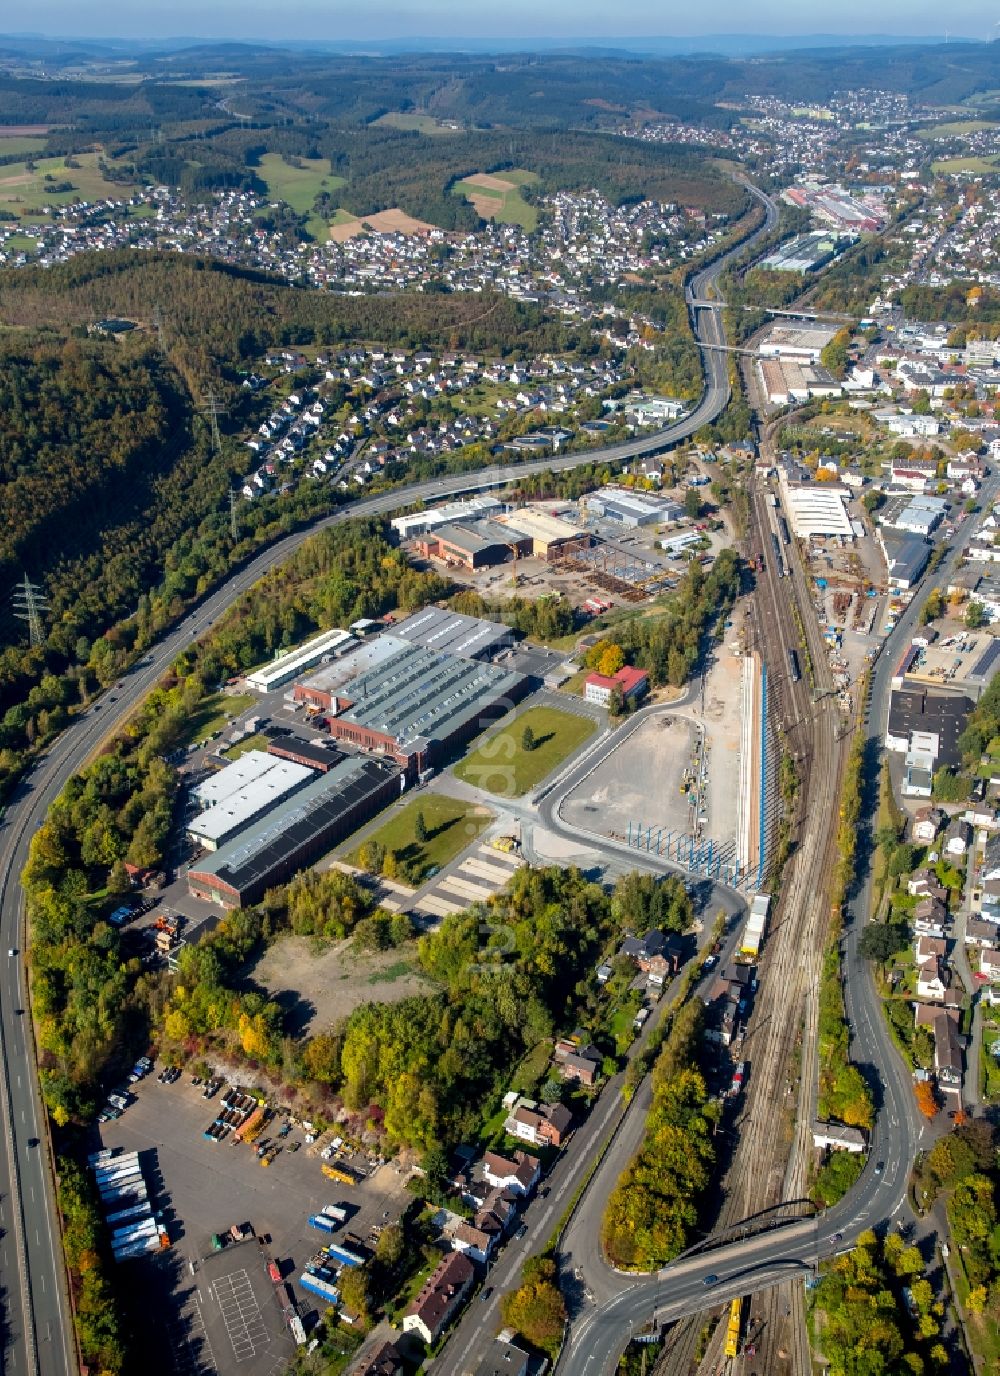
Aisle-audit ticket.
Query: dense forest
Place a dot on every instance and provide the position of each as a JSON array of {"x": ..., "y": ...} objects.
[
  {"x": 879, "y": 1315},
  {"x": 653, "y": 1211},
  {"x": 214, "y": 315}
]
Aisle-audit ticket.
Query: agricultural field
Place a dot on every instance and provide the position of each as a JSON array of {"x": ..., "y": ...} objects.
[
  {"x": 421, "y": 124},
  {"x": 395, "y": 221},
  {"x": 956, "y": 129},
  {"x": 497, "y": 196},
  {"x": 503, "y": 767},
  {"x": 449, "y": 825},
  {"x": 299, "y": 186},
  {"x": 24, "y": 191},
  {"x": 950, "y": 167},
  {"x": 17, "y": 143}
]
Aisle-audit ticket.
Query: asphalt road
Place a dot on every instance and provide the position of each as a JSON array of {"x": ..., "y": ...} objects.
[{"x": 38, "y": 1331}]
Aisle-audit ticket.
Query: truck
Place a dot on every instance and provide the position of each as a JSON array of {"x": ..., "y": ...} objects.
[
  {"x": 336, "y": 1211},
  {"x": 322, "y": 1223},
  {"x": 343, "y": 1256},
  {"x": 144, "y": 1228},
  {"x": 132, "y": 1214},
  {"x": 116, "y": 1189},
  {"x": 119, "y": 1173},
  {"x": 139, "y": 1248},
  {"x": 318, "y": 1286},
  {"x": 124, "y": 1194},
  {"x": 297, "y": 1331},
  {"x": 274, "y": 1272},
  {"x": 115, "y": 1164},
  {"x": 336, "y": 1173},
  {"x": 253, "y": 1127},
  {"x": 97, "y": 1159}
]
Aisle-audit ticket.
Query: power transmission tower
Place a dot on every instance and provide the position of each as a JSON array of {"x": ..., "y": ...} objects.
[
  {"x": 233, "y": 499},
  {"x": 213, "y": 410},
  {"x": 29, "y": 603},
  {"x": 158, "y": 327}
]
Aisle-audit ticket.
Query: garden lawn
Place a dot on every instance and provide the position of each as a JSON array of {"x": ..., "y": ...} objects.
[
  {"x": 258, "y": 741},
  {"x": 451, "y": 826},
  {"x": 503, "y": 767}
]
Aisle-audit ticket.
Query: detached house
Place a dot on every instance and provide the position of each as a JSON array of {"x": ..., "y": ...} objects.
[
  {"x": 926, "y": 824},
  {"x": 519, "y": 1174},
  {"x": 442, "y": 1294},
  {"x": 544, "y": 1126}
]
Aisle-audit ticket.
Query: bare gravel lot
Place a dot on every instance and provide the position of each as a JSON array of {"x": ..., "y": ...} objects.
[{"x": 317, "y": 987}]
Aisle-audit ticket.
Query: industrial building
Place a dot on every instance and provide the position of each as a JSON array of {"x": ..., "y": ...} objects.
[
  {"x": 906, "y": 558},
  {"x": 299, "y": 661},
  {"x": 417, "y": 704},
  {"x": 629, "y": 509},
  {"x": 921, "y": 516},
  {"x": 316, "y": 754},
  {"x": 296, "y": 833},
  {"x": 254, "y": 789},
  {"x": 799, "y": 340},
  {"x": 550, "y": 536},
  {"x": 422, "y": 522},
  {"x": 478, "y": 546},
  {"x": 469, "y": 637},
  {"x": 817, "y": 510},
  {"x": 805, "y": 253}
]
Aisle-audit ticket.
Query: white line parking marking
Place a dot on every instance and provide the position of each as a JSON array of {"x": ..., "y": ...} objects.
[{"x": 241, "y": 1315}]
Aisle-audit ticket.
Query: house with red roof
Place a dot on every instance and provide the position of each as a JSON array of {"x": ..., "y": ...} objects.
[{"x": 633, "y": 684}]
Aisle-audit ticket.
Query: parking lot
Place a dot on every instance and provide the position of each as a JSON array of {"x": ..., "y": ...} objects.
[{"x": 218, "y": 1311}]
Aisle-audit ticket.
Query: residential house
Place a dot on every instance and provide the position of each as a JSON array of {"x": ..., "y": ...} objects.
[
  {"x": 980, "y": 934},
  {"x": 543, "y": 1126},
  {"x": 383, "y": 1360},
  {"x": 991, "y": 859},
  {"x": 644, "y": 950},
  {"x": 948, "y": 1051},
  {"x": 927, "y": 948},
  {"x": 632, "y": 684},
  {"x": 837, "y": 1137},
  {"x": 504, "y": 1358},
  {"x": 441, "y": 1295},
  {"x": 929, "y": 917},
  {"x": 958, "y": 838},
  {"x": 925, "y": 883},
  {"x": 926, "y": 824},
  {"x": 932, "y": 980},
  {"x": 475, "y": 1242},
  {"x": 989, "y": 964},
  {"x": 519, "y": 1174},
  {"x": 581, "y": 1066}
]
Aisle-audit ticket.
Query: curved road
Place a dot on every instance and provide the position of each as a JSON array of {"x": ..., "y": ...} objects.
[{"x": 38, "y": 1337}]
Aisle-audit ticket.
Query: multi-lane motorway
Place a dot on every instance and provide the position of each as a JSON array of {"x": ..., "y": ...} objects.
[{"x": 36, "y": 1316}]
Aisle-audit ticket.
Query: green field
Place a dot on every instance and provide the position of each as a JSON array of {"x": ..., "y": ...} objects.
[
  {"x": 493, "y": 203},
  {"x": 503, "y": 767},
  {"x": 451, "y": 826},
  {"x": 956, "y": 129},
  {"x": 214, "y": 713},
  {"x": 20, "y": 243},
  {"x": 23, "y": 190},
  {"x": 20, "y": 143},
  {"x": 422, "y": 124},
  {"x": 299, "y": 186},
  {"x": 950, "y": 167}
]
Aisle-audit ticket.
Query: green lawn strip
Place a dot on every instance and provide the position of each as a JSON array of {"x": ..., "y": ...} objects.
[
  {"x": 574, "y": 684},
  {"x": 214, "y": 713},
  {"x": 451, "y": 826},
  {"x": 258, "y": 741},
  {"x": 24, "y": 191},
  {"x": 949, "y": 166},
  {"x": 503, "y": 767},
  {"x": 982, "y": 1333}
]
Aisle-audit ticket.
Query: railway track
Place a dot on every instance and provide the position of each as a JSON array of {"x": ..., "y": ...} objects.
[{"x": 770, "y": 1161}]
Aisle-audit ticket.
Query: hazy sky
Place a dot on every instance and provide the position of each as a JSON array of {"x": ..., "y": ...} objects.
[{"x": 331, "y": 19}]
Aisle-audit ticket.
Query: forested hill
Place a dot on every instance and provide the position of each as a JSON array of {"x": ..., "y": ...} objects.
[{"x": 214, "y": 314}]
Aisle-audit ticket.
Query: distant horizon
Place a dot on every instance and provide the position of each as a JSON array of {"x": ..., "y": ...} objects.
[{"x": 721, "y": 42}]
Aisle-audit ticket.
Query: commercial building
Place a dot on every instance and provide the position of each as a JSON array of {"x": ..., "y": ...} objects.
[
  {"x": 421, "y": 522},
  {"x": 242, "y": 806},
  {"x": 296, "y": 833},
  {"x": 798, "y": 340},
  {"x": 805, "y": 253},
  {"x": 504, "y": 1358},
  {"x": 921, "y": 516},
  {"x": 468, "y": 637},
  {"x": 630, "y": 509},
  {"x": 633, "y": 684},
  {"x": 299, "y": 661},
  {"x": 922, "y": 721}
]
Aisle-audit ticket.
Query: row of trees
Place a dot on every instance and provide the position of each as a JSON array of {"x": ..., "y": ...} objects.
[{"x": 654, "y": 1209}]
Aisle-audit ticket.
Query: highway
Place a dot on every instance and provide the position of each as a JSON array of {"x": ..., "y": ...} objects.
[{"x": 37, "y": 1326}]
